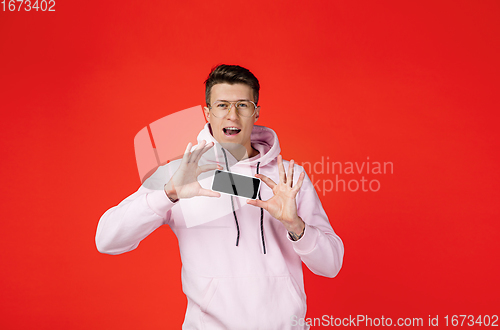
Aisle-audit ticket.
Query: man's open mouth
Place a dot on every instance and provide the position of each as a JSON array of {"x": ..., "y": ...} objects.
[{"x": 231, "y": 130}]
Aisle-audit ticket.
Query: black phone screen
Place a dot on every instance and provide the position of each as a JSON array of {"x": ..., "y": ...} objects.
[{"x": 236, "y": 184}]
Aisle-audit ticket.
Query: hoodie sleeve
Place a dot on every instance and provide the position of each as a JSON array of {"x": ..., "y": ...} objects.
[
  {"x": 319, "y": 248},
  {"x": 123, "y": 227}
]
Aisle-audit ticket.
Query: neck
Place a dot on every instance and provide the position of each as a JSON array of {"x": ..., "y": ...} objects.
[
  {"x": 252, "y": 153},
  {"x": 240, "y": 153}
]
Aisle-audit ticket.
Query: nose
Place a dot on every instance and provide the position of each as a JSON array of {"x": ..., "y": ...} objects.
[{"x": 232, "y": 113}]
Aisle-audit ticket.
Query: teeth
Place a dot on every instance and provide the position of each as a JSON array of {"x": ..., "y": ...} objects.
[{"x": 233, "y": 128}]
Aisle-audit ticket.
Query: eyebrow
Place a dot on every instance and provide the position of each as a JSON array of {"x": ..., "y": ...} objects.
[{"x": 231, "y": 101}]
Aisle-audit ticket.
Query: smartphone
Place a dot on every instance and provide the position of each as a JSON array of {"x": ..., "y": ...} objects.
[{"x": 236, "y": 184}]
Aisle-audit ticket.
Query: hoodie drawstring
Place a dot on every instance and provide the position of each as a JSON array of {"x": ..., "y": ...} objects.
[
  {"x": 261, "y": 218},
  {"x": 232, "y": 202},
  {"x": 234, "y": 212}
]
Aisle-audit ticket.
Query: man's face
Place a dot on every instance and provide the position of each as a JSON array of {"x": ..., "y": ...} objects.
[{"x": 220, "y": 126}]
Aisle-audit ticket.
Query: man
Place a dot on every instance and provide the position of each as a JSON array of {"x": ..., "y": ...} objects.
[{"x": 243, "y": 268}]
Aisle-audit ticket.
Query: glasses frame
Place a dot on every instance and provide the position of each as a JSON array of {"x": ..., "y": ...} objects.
[{"x": 235, "y": 107}]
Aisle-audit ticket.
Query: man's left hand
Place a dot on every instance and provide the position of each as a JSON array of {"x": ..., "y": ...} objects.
[{"x": 282, "y": 205}]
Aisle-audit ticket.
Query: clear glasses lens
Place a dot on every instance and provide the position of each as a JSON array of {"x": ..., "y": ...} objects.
[{"x": 244, "y": 108}]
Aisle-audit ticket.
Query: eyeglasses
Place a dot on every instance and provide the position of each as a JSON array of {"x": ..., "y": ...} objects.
[{"x": 244, "y": 108}]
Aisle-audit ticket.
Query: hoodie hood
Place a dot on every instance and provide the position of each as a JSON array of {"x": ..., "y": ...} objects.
[{"x": 263, "y": 139}]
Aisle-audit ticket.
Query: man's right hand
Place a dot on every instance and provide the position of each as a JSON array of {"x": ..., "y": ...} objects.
[{"x": 184, "y": 183}]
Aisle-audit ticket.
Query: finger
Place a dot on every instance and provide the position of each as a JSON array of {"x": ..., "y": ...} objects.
[
  {"x": 205, "y": 149},
  {"x": 281, "y": 170},
  {"x": 194, "y": 154},
  {"x": 289, "y": 176},
  {"x": 270, "y": 183},
  {"x": 185, "y": 158},
  {"x": 208, "y": 193},
  {"x": 299, "y": 181},
  {"x": 258, "y": 203},
  {"x": 210, "y": 167}
]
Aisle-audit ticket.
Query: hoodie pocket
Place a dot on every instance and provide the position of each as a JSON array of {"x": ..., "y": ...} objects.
[{"x": 251, "y": 303}]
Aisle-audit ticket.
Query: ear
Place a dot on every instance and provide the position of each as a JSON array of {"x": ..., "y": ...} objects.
[
  {"x": 257, "y": 114},
  {"x": 206, "y": 111}
]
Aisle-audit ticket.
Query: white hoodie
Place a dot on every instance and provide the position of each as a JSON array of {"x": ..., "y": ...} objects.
[{"x": 255, "y": 285}]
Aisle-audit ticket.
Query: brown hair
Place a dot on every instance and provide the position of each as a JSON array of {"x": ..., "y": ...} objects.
[{"x": 231, "y": 74}]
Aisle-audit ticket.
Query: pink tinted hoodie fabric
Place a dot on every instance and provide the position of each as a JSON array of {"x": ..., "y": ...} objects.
[{"x": 257, "y": 284}]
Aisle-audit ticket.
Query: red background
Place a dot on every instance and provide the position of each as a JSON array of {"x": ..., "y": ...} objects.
[{"x": 412, "y": 83}]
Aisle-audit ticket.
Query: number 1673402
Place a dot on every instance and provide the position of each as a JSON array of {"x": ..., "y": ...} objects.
[{"x": 28, "y": 5}]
